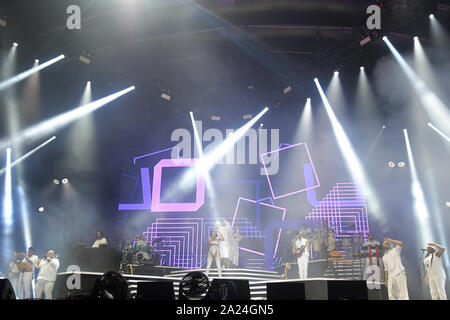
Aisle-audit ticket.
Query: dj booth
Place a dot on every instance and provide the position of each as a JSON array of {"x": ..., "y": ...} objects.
[{"x": 91, "y": 259}]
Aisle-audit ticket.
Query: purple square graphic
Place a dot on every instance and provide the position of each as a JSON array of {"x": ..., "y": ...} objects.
[
  {"x": 283, "y": 211},
  {"x": 293, "y": 192},
  {"x": 157, "y": 206}
]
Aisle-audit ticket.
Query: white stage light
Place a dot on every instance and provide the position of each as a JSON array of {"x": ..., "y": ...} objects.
[
  {"x": 447, "y": 203},
  {"x": 3, "y": 23},
  {"x": 215, "y": 118},
  {"x": 15, "y": 44},
  {"x": 287, "y": 89},
  {"x": 64, "y": 119},
  {"x": 401, "y": 164},
  {"x": 432, "y": 105},
  {"x": 28, "y": 154},
  {"x": 11, "y": 81},
  {"x": 416, "y": 38},
  {"x": 431, "y": 16},
  {"x": 55, "y": 181},
  {"x": 352, "y": 161},
  {"x": 419, "y": 204},
  {"x": 361, "y": 68},
  {"x": 41, "y": 209},
  {"x": 336, "y": 73},
  {"x": 247, "y": 116},
  {"x": 65, "y": 180},
  {"x": 85, "y": 59},
  {"x": 7, "y": 198},
  {"x": 391, "y": 164},
  {"x": 166, "y": 96},
  {"x": 439, "y": 131}
]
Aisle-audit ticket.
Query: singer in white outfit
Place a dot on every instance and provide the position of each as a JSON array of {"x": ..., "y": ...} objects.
[
  {"x": 236, "y": 238},
  {"x": 395, "y": 276},
  {"x": 435, "y": 277},
  {"x": 30, "y": 260},
  {"x": 214, "y": 251},
  {"x": 301, "y": 248},
  {"x": 47, "y": 275},
  {"x": 100, "y": 241}
]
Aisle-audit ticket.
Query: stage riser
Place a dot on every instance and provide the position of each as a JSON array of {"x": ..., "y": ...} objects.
[{"x": 321, "y": 289}]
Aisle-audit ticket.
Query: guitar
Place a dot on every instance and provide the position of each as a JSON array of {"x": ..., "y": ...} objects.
[{"x": 299, "y": 252}]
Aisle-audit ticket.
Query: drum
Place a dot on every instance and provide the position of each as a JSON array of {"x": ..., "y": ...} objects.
[{"x": 140, "y": 257}]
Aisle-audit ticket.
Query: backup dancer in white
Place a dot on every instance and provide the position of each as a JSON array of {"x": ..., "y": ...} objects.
[
  {"x": 214, "y": 251},
  {"x": 395, "y": 276},
  {"x": 435, "y": 277}
]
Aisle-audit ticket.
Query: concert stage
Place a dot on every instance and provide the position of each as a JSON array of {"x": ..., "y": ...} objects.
[{"x": 260, "y": 283}]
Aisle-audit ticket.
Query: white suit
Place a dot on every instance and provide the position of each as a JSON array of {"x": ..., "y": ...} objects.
[
  {"x": 25, "y": 278},
  {"x": 226, "y": 246},
  {"x": 13, "y": 276},
  {"x": 436, "y": 277},
  {"x": 303, "y": 260},
  {"x": 397, "y": 285},
  {"x": 46, "y": 278}
]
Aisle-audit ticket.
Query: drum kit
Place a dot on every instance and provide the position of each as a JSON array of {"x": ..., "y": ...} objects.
[{"x": 141, "y": 253}]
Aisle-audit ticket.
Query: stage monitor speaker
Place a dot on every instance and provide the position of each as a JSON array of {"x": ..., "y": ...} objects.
[
  {"x": 6, "y": 290},
  {"x": 378, "y": 294},
  {"x": 336, "y": 290},
  {"x": 158, "y": 290},
  {"x": 285, "y": 291},
  {"x": 228, "y": 289}
]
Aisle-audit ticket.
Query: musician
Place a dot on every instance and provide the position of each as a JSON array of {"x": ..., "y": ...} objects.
[
  {"x": 141, "y": 242},
  {"x": 373, "y": 255},
  {"x": 28, "y": 262},
  {"x": 316, "y": 242},
  {"x": 48, "y": 266},
  {"x": 236, "y": 238},
  {"x": 301, "y": 248},
  {"x": 101, "y": 240},
  {"x": 435, "y": 277},
  {"x": 214, "y": 252},
  {"x": 395, "y": 276},
  {"x": 330, "y": 240},
  {"x": 13, "y": 272},
  {"x": 226, "y": 246}
]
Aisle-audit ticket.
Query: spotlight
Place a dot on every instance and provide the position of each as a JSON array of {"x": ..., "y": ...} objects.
[
  {"x": 261, "y": 125},
  {"x": 361, "y": 68},
  {"x": 287, "y": 89},
  {"x": 41, "y": 209},
  {"x": 401, "y": 164},
  {"x": 2, "y": 23},
  {"x": 247, "y": 116},
  {"x": 431, "y": 16},
  {"x": 55, "y": 181},
  {"x": 85, "y": 59},
  {"x": 315, "y": 79},
  {"x": 36, "y": 60},
  {"x": 166, "y": 96},
  {"x": 15, "y": 44},
  {"x": 89, "y": 83},
  {"x": 215, "y": 118},
  {"x": 65, "y": 180},
  {"x": 384, "y": 38},
  {"x": 391, "y": 164},
  {"x": 447, "y": 203},
  {"x": 383, "y": 126},
  {"x": 416, "y": 38},
  {"x": 336, "y": 73},
  {"x": 308, "y": 99}
]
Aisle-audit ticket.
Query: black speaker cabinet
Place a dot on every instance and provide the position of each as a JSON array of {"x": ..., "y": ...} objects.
[
  {"x": 158, "y": 290},
  {"x": 6, "y": 290},
  {"x": 286, "y": 291},
  {"x": 336, "y": 290},
  {"x": 228, "y": 289}
]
